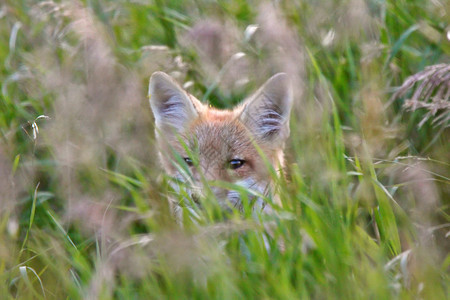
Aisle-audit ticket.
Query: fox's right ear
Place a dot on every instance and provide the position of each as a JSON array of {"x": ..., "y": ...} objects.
[
  {"x": 172, "y": 107},
  {"x": 266, "y": 113}
]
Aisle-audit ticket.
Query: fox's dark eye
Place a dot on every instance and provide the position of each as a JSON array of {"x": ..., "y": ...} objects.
[
  {"x": 188, "y": 161},
  {"x": 236, "y": 163}
]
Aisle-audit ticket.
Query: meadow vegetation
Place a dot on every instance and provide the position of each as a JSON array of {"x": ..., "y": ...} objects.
[{"x": 366, "y": 188}]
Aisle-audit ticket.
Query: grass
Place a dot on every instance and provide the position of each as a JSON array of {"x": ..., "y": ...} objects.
[{"x": 84, "y": 211}]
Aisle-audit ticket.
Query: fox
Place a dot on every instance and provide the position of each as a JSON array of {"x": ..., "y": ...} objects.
[{"x": 199, "y": 144}]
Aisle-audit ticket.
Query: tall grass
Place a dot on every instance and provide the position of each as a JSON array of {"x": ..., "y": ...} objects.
[{"x": 84, "y": 211}]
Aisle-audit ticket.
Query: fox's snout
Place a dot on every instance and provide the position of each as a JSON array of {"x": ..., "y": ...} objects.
[{"x": 198, "y": 193}]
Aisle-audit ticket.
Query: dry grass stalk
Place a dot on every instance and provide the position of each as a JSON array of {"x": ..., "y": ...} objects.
[{"x": 432, "y": 94}]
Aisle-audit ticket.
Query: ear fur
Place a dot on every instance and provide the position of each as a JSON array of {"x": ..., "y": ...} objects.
[
  {"x": 172, "y": 107},
  {"x": 266, "y": 113}
]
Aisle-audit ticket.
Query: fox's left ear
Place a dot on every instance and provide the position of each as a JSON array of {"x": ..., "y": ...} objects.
[
  {"x": 173, "y": 108},
  {"x": 266, "y": 113}
]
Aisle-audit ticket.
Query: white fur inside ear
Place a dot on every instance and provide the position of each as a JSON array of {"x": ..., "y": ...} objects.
[
  {"x": 267, "y": 112},
  {"x": 171, "y": 105}
]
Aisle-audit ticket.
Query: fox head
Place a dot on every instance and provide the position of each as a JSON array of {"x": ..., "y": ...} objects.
[{"x": 200, "y": 144}]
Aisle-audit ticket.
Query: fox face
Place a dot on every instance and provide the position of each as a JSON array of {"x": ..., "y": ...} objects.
[{"x": 199, "y": 144}]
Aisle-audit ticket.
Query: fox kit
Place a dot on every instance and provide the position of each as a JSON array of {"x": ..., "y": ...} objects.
[{"x": 199, "y": 144}]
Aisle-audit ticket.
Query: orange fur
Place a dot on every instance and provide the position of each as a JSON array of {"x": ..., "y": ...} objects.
[{"x": 216, "y": 140}]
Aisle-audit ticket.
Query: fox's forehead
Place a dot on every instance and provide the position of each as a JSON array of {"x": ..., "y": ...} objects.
[
  {"x": 219, "y": 133},
  {"x": 211, "y": 114}
]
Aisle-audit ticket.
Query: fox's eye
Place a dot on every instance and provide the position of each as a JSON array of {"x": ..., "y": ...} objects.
[
  {"x": 236, "y": 163},
  {"x": 188, "y": 161}
]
